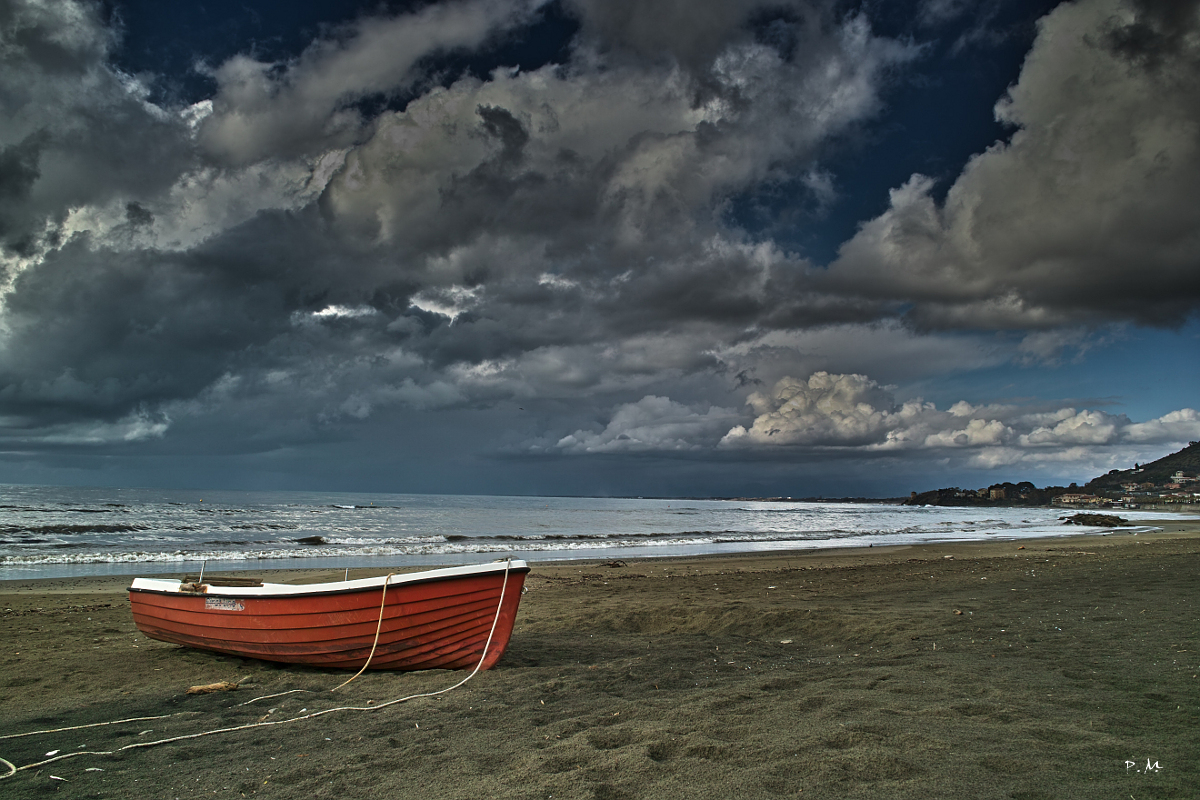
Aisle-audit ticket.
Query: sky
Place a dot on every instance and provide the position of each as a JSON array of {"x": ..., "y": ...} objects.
[{"x": 597, "y": 247}]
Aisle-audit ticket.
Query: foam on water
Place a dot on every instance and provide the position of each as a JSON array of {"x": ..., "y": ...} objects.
[{"x": 53, "y": 531}]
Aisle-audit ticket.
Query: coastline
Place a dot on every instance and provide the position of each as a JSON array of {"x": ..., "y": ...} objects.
[
  {"x": 156, "y": 535},
  {"x": 809, "y": 673},
  {"x": 810, "y": 557}
]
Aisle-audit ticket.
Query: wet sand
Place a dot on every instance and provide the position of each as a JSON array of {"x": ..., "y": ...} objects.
[{"x": 1053, "y": 668}]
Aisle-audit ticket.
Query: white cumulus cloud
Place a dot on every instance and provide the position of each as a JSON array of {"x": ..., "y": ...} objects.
[{"x": 853, "y": 411}]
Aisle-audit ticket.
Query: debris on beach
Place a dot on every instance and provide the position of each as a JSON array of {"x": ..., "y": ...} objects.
[
  {"x": 209, "y": 688},
  {"x": 219, "y": 686}
]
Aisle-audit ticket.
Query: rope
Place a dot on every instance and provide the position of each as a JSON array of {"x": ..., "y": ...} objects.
[
  {"x": 277, "y": 694},
  {"x": 137, "y": 745},
  {"x": 92, "y": 725},
  {"x": 379, "y": 627}
]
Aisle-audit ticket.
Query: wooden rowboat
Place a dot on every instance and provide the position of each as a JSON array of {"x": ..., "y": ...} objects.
[{"x": 437, "y": 619}]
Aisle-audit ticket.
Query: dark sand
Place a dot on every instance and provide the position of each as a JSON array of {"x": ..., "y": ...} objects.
[{"x": 831, "y": 674}]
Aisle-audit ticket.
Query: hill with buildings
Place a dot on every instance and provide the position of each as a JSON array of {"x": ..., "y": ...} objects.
[
  {"x": 1159, "y": 474},
  {"x": 1171, "y": 480}
]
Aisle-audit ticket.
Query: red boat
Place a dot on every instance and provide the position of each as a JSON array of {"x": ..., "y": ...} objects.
[{"x": 437, "y": 619}]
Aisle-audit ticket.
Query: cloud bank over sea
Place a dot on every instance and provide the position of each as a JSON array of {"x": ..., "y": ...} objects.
[{"x": 396, "y": 247}]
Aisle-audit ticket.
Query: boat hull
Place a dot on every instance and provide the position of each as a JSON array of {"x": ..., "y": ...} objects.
[{"x": 440, "y": 619}]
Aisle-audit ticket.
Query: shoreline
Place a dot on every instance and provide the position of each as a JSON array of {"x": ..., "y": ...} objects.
[
  {"x": 320, "y": 563},
  {"x": 1031, "y": 668}
]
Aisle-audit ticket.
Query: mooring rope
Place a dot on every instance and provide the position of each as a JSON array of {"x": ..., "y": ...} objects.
[
  {"x": 13, "y": 770},
  {"x": 91, "y": 725},
  {"x": 277, "y": 694},
  {"x": 379, "y": 627}
]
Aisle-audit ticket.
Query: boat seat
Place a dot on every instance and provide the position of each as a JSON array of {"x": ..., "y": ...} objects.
[{"x": 224, "y": 581}]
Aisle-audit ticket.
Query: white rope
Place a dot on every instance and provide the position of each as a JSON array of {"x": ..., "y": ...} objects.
[
  {"x": 92, "y": 725},
  {"x": 379, "y": 627},
  {"x": 136, "y": 745},
  {"x": 277, "y": 694}
]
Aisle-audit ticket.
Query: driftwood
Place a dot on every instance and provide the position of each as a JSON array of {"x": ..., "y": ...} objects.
[{"x": 219, "y": 686}]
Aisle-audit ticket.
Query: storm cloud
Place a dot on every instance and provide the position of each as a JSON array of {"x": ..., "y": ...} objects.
[
  {"x": 362, "y": 229},
  {"x": 1086, "y": 214}
]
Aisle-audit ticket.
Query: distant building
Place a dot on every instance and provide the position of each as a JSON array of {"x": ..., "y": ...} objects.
[{"x": 1077, "y": 500}]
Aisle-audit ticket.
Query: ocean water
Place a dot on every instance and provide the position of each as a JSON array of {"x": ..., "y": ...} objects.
[{"x": 65, "y": 531}]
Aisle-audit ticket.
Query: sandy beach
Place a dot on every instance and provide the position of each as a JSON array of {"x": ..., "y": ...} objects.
[{"x": 1051, "y": 668}]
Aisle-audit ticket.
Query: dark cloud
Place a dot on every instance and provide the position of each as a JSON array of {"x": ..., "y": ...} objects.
[
  {"x": 1158, "y": 33},
  {"x": 558, "y": 236},
  {"x": 75, "y": 133},
  {"x": 138, "y": 214},
  {"x": 18, "y": 172},
  {"x": 19, "y": 166},
  {"x": 306, "y": 105},
  {"x": 1086, "y": 215},
  {"x": 502, "y": 125},
  {"x": 61, "y": 44},
  {"x": 693, "y": 33},
  {"x": 97, "y": 333}
]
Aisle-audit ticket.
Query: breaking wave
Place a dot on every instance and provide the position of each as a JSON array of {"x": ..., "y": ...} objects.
[{"x": 56, "y": 531}]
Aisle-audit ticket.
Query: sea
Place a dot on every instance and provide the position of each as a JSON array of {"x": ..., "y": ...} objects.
[{"x": 53, "y": 532}]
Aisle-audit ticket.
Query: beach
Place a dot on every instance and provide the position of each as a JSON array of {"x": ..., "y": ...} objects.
[{"x": 1044, "y": 668}]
